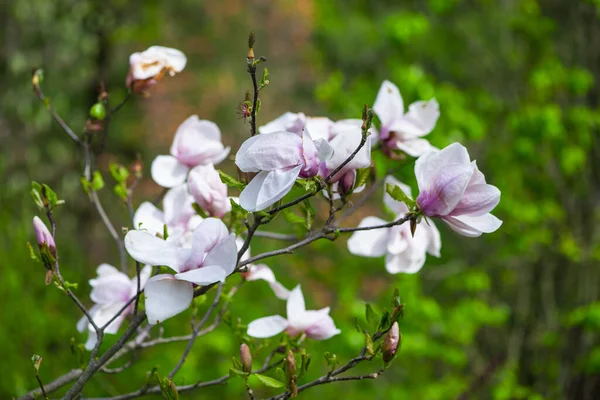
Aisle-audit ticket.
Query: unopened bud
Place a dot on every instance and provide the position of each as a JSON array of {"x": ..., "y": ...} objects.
[
  {"x": 347, "y": 182},
  {"x": 290, "y": 373},
  {"x": 43, "y": 236},
  {"x": 246, "y": 358},
  {"x": 390, "y": 343},
  {"x": 137, "y": 167},
  {"x": 98, "y": 111},
  {"x": 413, "y": 226}
]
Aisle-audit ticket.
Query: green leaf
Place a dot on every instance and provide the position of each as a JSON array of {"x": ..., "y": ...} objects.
[
  {"x": 97, "y": 181},
  {"x": 32, "y": 254},
  {"x": 36, "y": 360},
  {"x": 362, "y": 175},
  {"x": 199, "y": 210},
  {"x": 36, "y": 194},
  {"x": 118, "y": 172},
  {"x": 371, "y": 315},
  {"x": 236, "y": 372},
  {"x": 398, "y": 195},
  {"x": 230, "y": 181},
  {"x": 265, "y": 78},
  {"x": 304, "y": 363},
  {"x": 85, "y": 185},
  {"x": 268, "y": 381},
  {"x": 385, "y": 322},
  {"x": 121, "y": 191}
]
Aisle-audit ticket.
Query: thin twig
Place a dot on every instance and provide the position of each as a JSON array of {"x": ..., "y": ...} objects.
[
  {"x": 275, "y": 235},
  {"x": 40, "y": 94},
  {"x": 111, "y": 229},
  {"x": 54, "y": 385}
]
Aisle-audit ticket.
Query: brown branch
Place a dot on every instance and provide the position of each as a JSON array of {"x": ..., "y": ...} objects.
[{"x": 54, "y": 385}]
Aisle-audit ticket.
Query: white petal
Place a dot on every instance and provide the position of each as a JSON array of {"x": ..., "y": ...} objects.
[
  {"x": 148, "y": 249},
  {"x": 203, "y": 275},
  {"x": 295, "y": 306},
  {"x": 473, "y": 226},
  {"x": 166, "y": 297},
  {"x": 477, "y": 200},
  {"x": 267, "y": 188},
  {"x": 260, "y": 271},
  {"x": 343, "y": 146},
  {"x": 419, "y": 120},
  {"x": 270, "y": 151},
  {"x": 223, "y": 255},
  {"x": 107, "y": 289},
  {"x": 267, "y": 327},
  {"x": 371, "y": 243},
  {"x": 408, "y": 262},
  {"x": 319, "y": 127},
  {"x": 168, "y": 172},
  {"x": 149, "y": 218},
  {"x": 207, "y": 236},
  {"x": 91, "y": 341},
  {"x": 106, "y": 313},
  {"x": 322, "y": 329},
  {"x": 280, "y": 291},
  {"x": 177, "y": 206},
  {"x": 288, "y": 122},
  {"x": 198, "y": 142},
  {"x": 414, "y": 147},
  {"x": 325, "y": 151},
  {"x": 432, "y": 163},
  {"x": 388, "y": 104},
  {"x": 434, "y": 243},
  {"x": 106, "y": 269}
]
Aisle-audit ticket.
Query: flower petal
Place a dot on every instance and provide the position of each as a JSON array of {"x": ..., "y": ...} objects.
[
  {"x": 322, "y": 329},
  {"x": 295, "y": 306},
  {"x": 408, "y": 262},
  {"x": 371, "y": 243},
  {"x": 207, "y": 236},
  {"x": 319, "y": 127},
  {"x": 388, "y": 104},
  {"x": 148, "y": 217},
  {"x": 414, "y": 147},
  {"x": 148, "y": 249},
  {"x": 198, "y": 142},
  {"x": 223, "y": 255},
  {"x": 477, "y": 200},
  {"x": 168, "y": 172},
  {"x": 419, "y": 120},
  {"x": 166, "y": 297},
  {"x": 430, "y": 164},
  {"x": 473, "y": 226},
  {"x": 270, "y": 151},
  {"x": 268, "y": 187},
  {"x": 267, "y": 326},
  {"x": 446, "y": 191},
  {"x": 288, "y": 122},
  {"x": 177, "y": 206},
  {"x": 203, "y": 275}
]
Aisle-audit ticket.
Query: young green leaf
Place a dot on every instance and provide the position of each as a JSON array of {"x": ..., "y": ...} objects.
[
  {"x": 230, "y": 180},
  {"x": 268, "y": 381}
]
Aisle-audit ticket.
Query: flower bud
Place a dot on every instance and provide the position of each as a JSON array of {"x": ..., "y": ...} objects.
[
  {"x": 290, "y": 373},
  {"x": 390, "y": 343},
  {"x": 246, "y": 358},
  {"x": 208, "y": 190},
  {"x": 347, "y": 182},
  {"x": 43, "y": 236}
]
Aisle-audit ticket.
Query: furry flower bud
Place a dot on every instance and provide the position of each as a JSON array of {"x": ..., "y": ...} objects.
[
  {"x": 246, "y": 358},
  {"x": 390, "y": 343}
]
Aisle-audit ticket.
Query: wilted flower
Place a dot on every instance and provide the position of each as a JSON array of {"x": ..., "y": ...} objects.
[
  {"x": 196, "y": 142},
  {"x": 208, "y": 190},
  {"x": 43, "y": 236},
  {"x": 404, "y": 131},
  {"x": 316, "y": 325},
  {"x": 452, "y": 188},
  {"x": 148, "y": 67},
  {"x": 390, "y": 343},
  {"x": 403, "y": 252},
  {"x": 211, "y": 258},
  {"x": 111, "y": 290},
  {"x": 178, "y": 215}
]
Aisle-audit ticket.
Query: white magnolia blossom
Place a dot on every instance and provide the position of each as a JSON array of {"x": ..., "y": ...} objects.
[
  {"x": 111, "y": 290},
  {"x": 208, "y": 190},
  {"x": 178, "y": 215},
  {"x": 196, "y": 142},
  {"x": 150, "y": 65},
  {"x": 261, "y": 272},
  {"x": 316, "y": 324},
  {"x": 211, "y": 258},
  {"x": 404, "y": 131},
  {"x": 452, "y": 188},
  {"x": 402, "y": 251}
]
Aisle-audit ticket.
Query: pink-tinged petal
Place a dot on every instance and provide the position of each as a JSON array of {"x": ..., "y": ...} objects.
[
  {"x": 322, "y": 329},
  {"x": 83, "y": 323},
  {"x": 408, "y": 262},
  {"x": 168, "y": 172},
  {"x": 43, "y": 235},
  {"x": 223, "y": 255},
  {"x": 473, "y": 226},
  {"x": 288, "y": 122},
  {"x": 324, "y": 150},
  {"x": 149, "y": 249},
  {"x": 106, "y": 312},
  {"x": 394, "y": 206},
  {"x": 295, "y": 306},
  {"x": 270, "y": 151},
  {"x": 280, "y": 291},
  {"x": 208, "y": 190},
  {"x": 203, "y": 275},
  {"x": 207, "y": 236},
  {"x": 145, "y": 274},
  {"x": 445, "y": 192},
  {"x": 177, "y": 206},
  {"x": 371, "y": 243},
  {"x": 267, "y": 327},
  {"x": 434, "y": 241},
  {"x": 151, "y": 62},
  {"x": 267, "y": 188},
  {"x": 343, "y": 146},
  {"x": 477, "y": 200},
  {"x": 414, "y": 147},
  {"x": 388, "y": 104},
  {"x": 107, "y": 289},
  {"x": 106, "y": 270},
  {"x": 419, "y": 120},
  {"x": 262, "y": 272},
  {"x": 306, "y": 319},
  {"x": 432, "y": 163},
  {"x": 91, "y": 341},
  {"x": 198, "y": 142},
  {"x": 398, "y": 239},
  {"x": 309, "y": 155},
  {"x": 319, "y": 127},
  {"x": 149, "y": 218},
  {"x": 166, "y": 297}
]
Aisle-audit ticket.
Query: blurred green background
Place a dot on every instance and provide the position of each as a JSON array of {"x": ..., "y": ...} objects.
[{"x": 511, "y": 315}]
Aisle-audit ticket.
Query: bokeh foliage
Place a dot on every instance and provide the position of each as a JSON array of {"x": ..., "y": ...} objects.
[{"x": 514, "y": 314}]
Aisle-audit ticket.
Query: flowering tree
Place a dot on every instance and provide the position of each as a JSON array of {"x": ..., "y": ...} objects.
[{"x": 200, "y": 240}]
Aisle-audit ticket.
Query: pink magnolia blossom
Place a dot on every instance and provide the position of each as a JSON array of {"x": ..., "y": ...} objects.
[
  {"x": 43, "y": 235},
  {"x": 178, "y": 215},
  {"x": 211, "y": 257},
  {"x": 208, "y": 190},
  {"x": 403, "y": 252},
  {"x": 196, "y": 142},
  {"x": 404, "y": 131},
  {"x": 452, "y": 188},
  {"x": 316, "y": 324},
  {"x": 148, "y": 67},
  {"x": 111, "y": 290}
]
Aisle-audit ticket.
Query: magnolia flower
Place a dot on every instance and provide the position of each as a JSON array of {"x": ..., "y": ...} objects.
[
  {"x": 261, "y": 272},
  {"x": 319, "y": 127},
  {"x": 316, "y": 325},
  {"x": 452, "y": 188},
  {"x": 211, "y": 258},
  {"x": 178, "y": 215},
  {"x": 402, "y": 251},
  {"x": 404, "y": 131},
  {"x": 208, "y": 191},
  {"x": 196, "y": 142},
  {"x": 279, "y": 158},
  {"x": 111, "y": 290},
  {"x": 43, "y": 236},
  {"x": 148, "y": 67}
]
